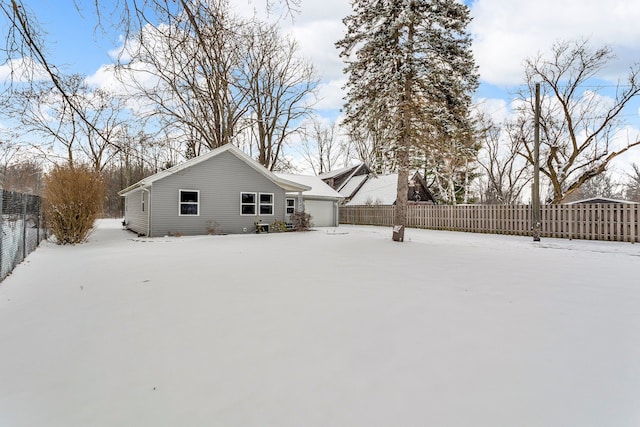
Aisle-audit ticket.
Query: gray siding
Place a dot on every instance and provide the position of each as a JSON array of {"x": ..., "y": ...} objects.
[
  {"x": 134, "y": 216},
  {"x": 220, "y": 181}
]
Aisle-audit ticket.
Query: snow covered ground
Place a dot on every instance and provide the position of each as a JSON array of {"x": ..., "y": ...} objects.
[{"x": 335, "y": 327}]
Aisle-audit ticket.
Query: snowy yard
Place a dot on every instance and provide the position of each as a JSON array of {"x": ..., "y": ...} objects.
[{"x": 335, "y": 327}]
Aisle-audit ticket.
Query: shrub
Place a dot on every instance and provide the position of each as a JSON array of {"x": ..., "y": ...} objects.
[
  {"x": 73, "y": 199},
  {"x": 279, "y": 226},
  {"x": 301, "y": 221}
]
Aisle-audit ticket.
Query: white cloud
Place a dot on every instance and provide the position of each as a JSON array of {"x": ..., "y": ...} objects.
[
  {"x": 330, "y": 95},
  {"x": 317, "y": 42},
  {"x": 508, "y": 31},
  {"x": 22, "y": 70}
]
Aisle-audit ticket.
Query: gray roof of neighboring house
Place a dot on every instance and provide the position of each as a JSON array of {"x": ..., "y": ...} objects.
[
  {"x": 281, "y": 182},
  {"x": 352, "y": 185}
]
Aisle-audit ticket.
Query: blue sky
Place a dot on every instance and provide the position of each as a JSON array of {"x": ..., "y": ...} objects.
[{"x": 505, "y": 32}]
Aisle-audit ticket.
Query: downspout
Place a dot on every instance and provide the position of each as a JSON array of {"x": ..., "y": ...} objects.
[{"x": 148, "y": 211}]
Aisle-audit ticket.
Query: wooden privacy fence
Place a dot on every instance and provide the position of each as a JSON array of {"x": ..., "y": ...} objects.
[{"x": 613, "y": 222}]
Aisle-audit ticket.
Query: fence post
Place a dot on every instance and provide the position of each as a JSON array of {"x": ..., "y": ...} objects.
[
  {"x": 38, "y": 220},
  {"x": 23, "y": 197}
]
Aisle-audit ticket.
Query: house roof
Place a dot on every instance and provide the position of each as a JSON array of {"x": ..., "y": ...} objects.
[
  {"x": 336, "y": 172},
  {"x": 382, "y": 189},
  {"x": 232, "y": 149},
  {"x": 319, "y": 189},
  {"x": 378, "y": 190},
  {"x": 351, "y": 185},
  {"x": 595, "y": 200}
]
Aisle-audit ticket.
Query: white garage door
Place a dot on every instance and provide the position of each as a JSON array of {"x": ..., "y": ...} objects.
[{"x": 321, "y": 211}]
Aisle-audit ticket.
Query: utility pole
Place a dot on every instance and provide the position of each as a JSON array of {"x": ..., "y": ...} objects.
[{"x": 535, "y": 196}]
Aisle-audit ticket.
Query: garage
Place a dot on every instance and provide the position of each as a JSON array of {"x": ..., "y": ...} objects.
[
  {"x": 323, "y": 212},
  {"x": 321, "y": 201}
]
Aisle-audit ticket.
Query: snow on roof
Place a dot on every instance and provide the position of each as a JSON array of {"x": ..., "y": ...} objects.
[
  {"x": 148, "y": 181},
  {"x": 379, "y": 190},
  {"x": 318, "y": 189},
  {"x": 595, "y": 200},
  {"x": 352, "y": 185},
  {"x": 336, "y": 172}
]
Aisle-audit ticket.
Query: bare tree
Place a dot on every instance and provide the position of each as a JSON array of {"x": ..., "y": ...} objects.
[
  {"x": 632, "y": 184},
  {"x": 577, "y": 125},
  {"x": 25, "y": 50},
  {"x": 506, "y": 171},
  {"x": 18, "y": 171},
  {"x": 280, "y": 88},
  {"x": 41, "y": 109},
  {"x": 184, "y": 71},
  {"x": 27, "y": 57},
  {"x": 602, "y": 185},
  {"x": 321, "y": 150},
  {"x": 450, "y": 162}
]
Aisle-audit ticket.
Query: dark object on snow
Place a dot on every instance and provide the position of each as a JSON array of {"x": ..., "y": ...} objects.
[{"x": 398, "y": 233}]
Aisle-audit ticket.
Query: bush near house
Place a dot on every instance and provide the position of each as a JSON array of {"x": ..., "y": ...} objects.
[
  {"x": 301, "y": 221},
  {"x": 73, "y": 199}
]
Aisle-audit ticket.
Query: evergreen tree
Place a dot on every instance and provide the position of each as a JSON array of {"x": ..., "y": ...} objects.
[{"x": 410, "y": 67}]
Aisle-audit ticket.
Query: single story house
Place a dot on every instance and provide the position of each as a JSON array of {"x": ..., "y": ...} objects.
[
  {"x": 222, "y": 191},
  {"x": 321, "y": 201}
]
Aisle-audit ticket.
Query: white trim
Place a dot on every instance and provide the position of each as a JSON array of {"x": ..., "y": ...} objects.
[
  {"x": 254, "y": 204},
  {"x": 180, "y": 202},
  {"x": 260, "y": 204},
  {"x": 286, "y": 205},
  {"x": 281, "y": 182}
]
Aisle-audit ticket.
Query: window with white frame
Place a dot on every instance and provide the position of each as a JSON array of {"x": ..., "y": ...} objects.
[
  {"x": 248, "y": 203},
  {"x": 142, "y": 198},
  {"x": 189, "y": 203},
  {"x": 290, "y": 205},
  {"x": 266, "y": 203}
]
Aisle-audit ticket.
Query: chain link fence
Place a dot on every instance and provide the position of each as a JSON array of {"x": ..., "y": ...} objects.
[{"x": 22, "y": 228}]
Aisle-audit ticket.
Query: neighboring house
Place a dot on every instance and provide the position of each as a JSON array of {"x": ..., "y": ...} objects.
[
  {"x": 358, "y": 186},
  {"x": 594, "y": 200},
  {"x": 347, "y": 181},
  {"x": 382, "y": 190},
  {"x": 222, "y": 191},
  {"x": 321, "y": 201}
]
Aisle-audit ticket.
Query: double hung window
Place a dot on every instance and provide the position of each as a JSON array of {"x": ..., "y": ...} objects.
[
  {"x": 248, "y": 203},
  {"x": 189, "y": 203},
  {"x": 256, "y": 203}
]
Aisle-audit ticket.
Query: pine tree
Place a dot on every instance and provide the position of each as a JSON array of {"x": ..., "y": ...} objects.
[{"x": 410, "y": 66}]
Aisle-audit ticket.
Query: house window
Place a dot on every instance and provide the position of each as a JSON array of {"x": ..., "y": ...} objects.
[
  {"x": 290, "y": 205},
  {"x": 189, "y": 202},
  {"x": 248, "y": 202},
  {"x": 142, "y": 198},
  {"x": 266, "y": 204}
]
